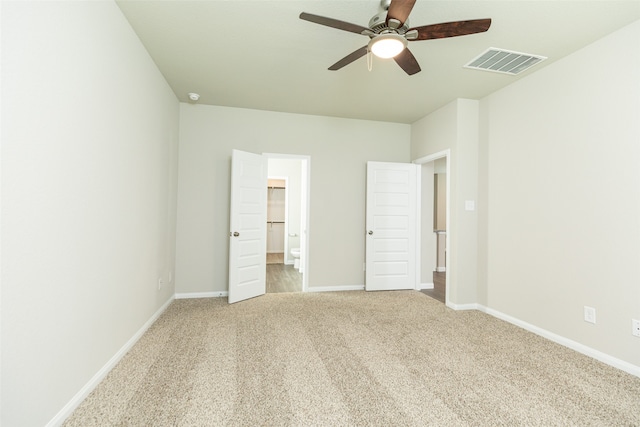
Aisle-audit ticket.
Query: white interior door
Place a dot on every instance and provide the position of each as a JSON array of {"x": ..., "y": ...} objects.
[
  {"x": 391, "y": 226},
  {"x": 248, "y": 226}
]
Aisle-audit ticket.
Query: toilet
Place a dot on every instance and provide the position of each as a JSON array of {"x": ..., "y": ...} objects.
[{"x": 295, "y": 253}]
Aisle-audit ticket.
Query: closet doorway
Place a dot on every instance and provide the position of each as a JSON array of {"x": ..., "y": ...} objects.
[
  {"x": 435, "y": 221},
  {"x": 287, "y": 219},
  {"x": 439, "y": 202}
]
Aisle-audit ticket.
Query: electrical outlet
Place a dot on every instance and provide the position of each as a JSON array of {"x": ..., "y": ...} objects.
[
  {"x": 160, "y": 283},
  {"x": 589, "y": 314},
  {"x": 636, "y": 327},
  {"x": 170, "y": 276}
]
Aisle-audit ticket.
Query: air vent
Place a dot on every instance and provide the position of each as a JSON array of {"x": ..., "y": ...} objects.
[{"x": 504, "y": 61}]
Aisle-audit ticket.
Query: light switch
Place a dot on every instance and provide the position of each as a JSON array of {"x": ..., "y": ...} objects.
[{"x": 469, "y": 205}]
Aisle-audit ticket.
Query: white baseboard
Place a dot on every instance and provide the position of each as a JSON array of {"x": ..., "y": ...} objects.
[
  {"x": 422, "y": 286},
  {"x": 66, "y": 411},
  {"x": 441, "y": 269},
  {"x": 454, "y": 306},
  {"x": 558, "y": 339},
  {"x": 335, "y": 288},
  {"x": 219, "y": 294},
  {"x": 215, "y": 294}
]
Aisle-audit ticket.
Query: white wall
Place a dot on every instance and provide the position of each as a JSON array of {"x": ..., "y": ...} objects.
[
  {"x": 561, "y": 156},
  {"x": 339, "y": 150},
  {"x": 89, "y": 145},
  {"x": 455, "y": 127}
]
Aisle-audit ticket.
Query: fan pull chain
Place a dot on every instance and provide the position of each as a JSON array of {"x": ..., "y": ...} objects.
[{"x": 369, "y": 60}]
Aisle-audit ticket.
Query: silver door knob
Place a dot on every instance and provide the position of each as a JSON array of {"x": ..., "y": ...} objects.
[
  {"x": 236, "y": 234},
  {"x": 370, "y": 232}
]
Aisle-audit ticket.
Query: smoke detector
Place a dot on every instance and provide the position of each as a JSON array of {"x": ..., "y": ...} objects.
[{"x": 194, "y": 96}]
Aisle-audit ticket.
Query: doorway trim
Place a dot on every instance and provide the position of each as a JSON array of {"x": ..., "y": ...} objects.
[
  {"x": 426, "y": 159},
  {"x": 305, "y": 206}
]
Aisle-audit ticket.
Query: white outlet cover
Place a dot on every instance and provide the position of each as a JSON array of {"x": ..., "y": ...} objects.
[
  {"x": 635, "y": 324},
  {"x": 589, "y": 314}
]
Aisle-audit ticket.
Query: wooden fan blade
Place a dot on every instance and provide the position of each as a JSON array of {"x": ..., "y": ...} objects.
[
  {"x": 452, "y": 29},
  {"x": 333, "y": 23},
  {"x": 349, "y": 58},
  {"x": 400, "y": 10},
  {"x": 407, "y": 62}
]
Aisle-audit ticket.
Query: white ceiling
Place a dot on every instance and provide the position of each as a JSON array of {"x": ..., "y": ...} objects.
[{"x": 258, "y": 54}]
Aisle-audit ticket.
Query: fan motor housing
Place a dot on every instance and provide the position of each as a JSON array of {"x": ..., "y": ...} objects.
[{"x": 378, "y": 23}]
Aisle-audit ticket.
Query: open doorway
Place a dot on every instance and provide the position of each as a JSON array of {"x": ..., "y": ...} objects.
[
  {"x": 439, "y": 201},
  {"x": 434, "y": 224},
  {"x": 287, "y": 207}
]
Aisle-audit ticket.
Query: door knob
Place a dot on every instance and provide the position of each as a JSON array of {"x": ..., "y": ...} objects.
[
  {"x": 236, "y": 234},
  {"x": 370, "y": 232}
]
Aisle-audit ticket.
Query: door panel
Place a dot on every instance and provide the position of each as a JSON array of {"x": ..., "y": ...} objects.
[
  {"x": 248, "y": 226},
  {"x": 391, "y": 226}
]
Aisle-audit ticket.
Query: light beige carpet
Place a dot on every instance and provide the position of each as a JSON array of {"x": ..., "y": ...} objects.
[{"x": 352, "y": 359}]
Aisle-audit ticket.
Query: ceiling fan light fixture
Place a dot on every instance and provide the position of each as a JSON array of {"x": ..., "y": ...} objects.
[{"x": 387, "y": 45}]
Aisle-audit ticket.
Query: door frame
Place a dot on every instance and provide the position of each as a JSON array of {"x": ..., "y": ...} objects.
[
  {"x": 305, "y": 208},
  {"x": 426, "y": 159}
]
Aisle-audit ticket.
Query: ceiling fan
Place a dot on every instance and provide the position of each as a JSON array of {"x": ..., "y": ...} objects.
[{"x": 389, "y": 33}]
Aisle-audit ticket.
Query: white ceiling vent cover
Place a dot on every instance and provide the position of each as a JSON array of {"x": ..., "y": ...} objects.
[{"x": 504, "y": 61}]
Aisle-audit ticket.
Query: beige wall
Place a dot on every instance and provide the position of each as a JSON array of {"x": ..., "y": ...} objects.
[
  {"x": 89, "y": 156},
  {"x": 560, "y": 169},
  {"x": 542, "y": 243},
  {"x": 339, "y": 150}
]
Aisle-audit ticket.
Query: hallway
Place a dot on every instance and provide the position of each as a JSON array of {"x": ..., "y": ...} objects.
[
  {"x": 439, "y": 287},
  {"x": 281, "y": 277}
]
